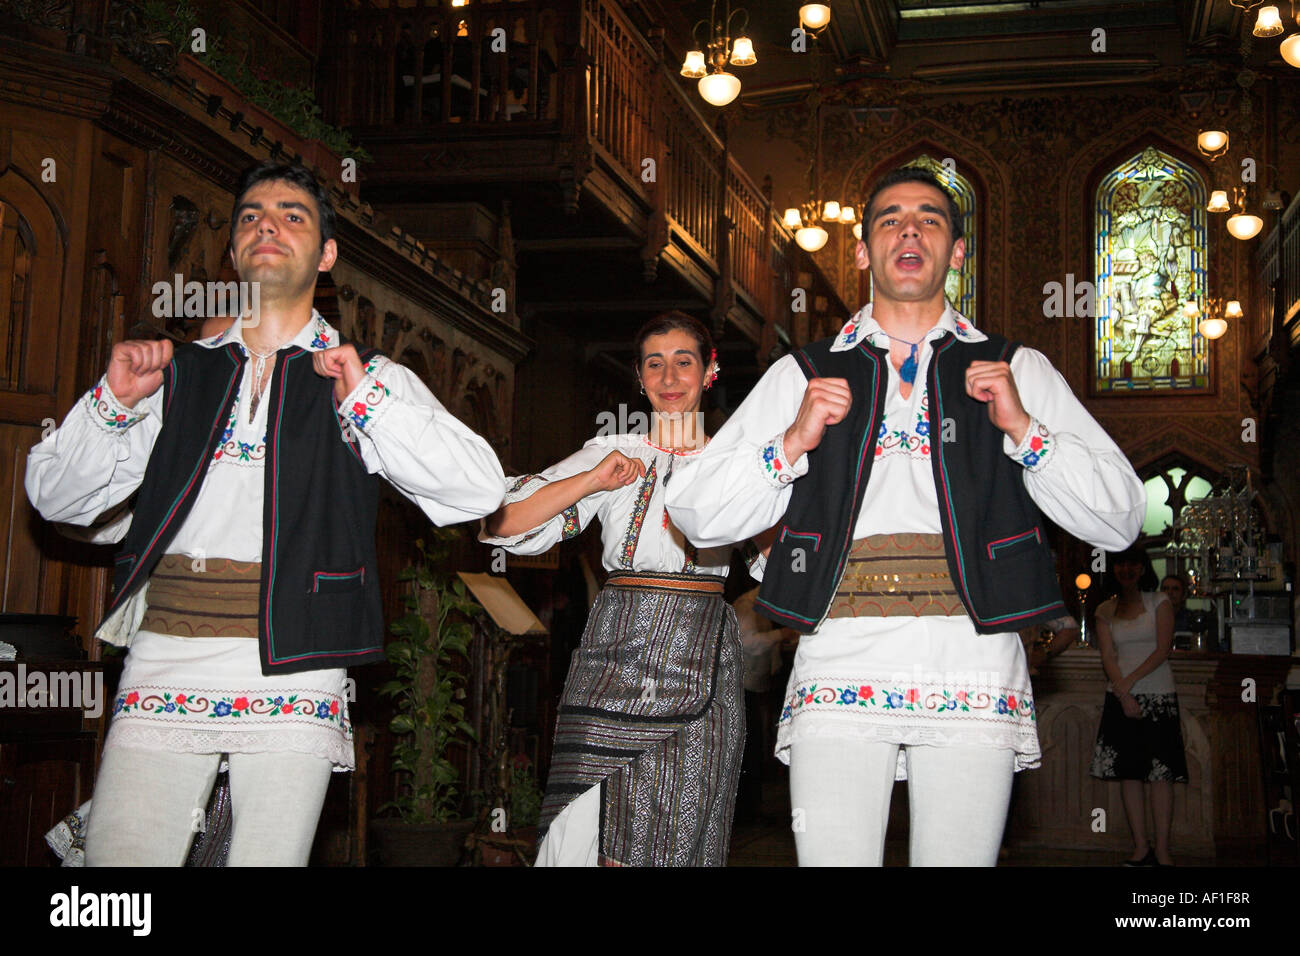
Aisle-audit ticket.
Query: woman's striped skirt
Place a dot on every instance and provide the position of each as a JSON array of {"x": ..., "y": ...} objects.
[{"x": 653, "y": 712}]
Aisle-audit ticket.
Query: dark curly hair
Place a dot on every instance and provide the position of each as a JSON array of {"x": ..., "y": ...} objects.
[
  {"x": 914, "y": 174},
  {"x": 675, "y": 321},
  {"x": 295, "y": 174}
]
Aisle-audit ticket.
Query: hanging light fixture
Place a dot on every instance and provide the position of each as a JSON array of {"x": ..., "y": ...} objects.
[
  {"x": 848, "y": 215},
  {"x": 811, "y": 238},
  {"x": 1214, "y": 318},
  {"x": 709, "y": 61},
  {"x": 1212, "y": 143},
  {"x": 1218, "y": 201},
  {"x": 1268, "y": 23},
  {"x": 814, "y": 16},
  {"x": 1242, "y": 224}
]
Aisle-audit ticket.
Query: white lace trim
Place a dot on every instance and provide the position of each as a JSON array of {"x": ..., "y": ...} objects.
[{"x": 318, "y": 742}]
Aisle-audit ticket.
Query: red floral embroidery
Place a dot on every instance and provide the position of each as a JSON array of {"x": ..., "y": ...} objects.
[
  {"x": 865, "y": 691},
  {"x": 1036, "y": 443},
  {"x": 912, "y": 696},
  {"x": 131, "y": 698},
  {"x": 286, "y": 708},
  {"x": 181, "y": 698},
  {"x": 359, "y": 408},
  {"x": 1011, "y": 701},
  {"x": 334, "y": 707},
  {"x": 241, "y": 703}
]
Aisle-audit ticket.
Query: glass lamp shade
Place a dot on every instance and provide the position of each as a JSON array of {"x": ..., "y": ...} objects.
[
  {"x": 1212, "y": 142},
  {"x": 811, "y": 238},
  {"x": 857, "y": 231},
  {"x": 1232, "y": 310},
  {"x": 742, "y": 52},
  {"x": 1218, "y": 201},
  {"x": 1245, "y": 226},
  {"x": 814, "y": 16},
  {"x": 1290, "y": 50},
  {"x": 719, "y": 88},
  {"x": 848, "y": 215},
  {"x": 1191, "y": 309},
  {"x": 791, "y": 218},
  {"x": 831, "y": 211},
  {"x": 1268, "y": 23},
  {"x": 693, "y": 66},
  {"x": 1213, "y": 328}
]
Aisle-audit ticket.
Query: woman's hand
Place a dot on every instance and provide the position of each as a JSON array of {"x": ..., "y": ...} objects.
[
  {"x": 1123, "y": 686},
  {"x": 615, "y": 471},
  {"x": 1131, "y": 707}
]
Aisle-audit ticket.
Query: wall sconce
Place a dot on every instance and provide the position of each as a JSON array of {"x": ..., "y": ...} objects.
[
  {"x": 1218, "y": 201},
  {"x": 1212, "y": 143}
]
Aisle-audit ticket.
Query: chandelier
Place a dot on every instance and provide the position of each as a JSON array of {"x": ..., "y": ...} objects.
[
  {"x": 807, "y": 218},
  {"x": 708, "y": 62},
  {"x": 1268, "y": 23},
  {"x": 1214, "y": 316}
]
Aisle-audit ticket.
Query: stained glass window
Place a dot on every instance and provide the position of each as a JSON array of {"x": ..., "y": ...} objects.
[
  {"x": 959, "y": 287},
  {"x": 1151, "y": 255}
]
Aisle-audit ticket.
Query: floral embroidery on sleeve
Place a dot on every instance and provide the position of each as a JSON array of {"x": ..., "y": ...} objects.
[
  {"x": 775, "y": 467},
  {"x": 572, "y": 526},
  {"x": 369, "y": 400},
  {"x": 1036, "y": 447},
  {"x": 108, "y": 412}
]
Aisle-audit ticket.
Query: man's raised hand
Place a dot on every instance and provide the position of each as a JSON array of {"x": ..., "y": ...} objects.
[
  {"x": 993, "y": 383},
  {"x": 341, "y": 364},
  {"x": 616, "y": 470},
  {"x": 135, "y": 369},
  {"x": 825, "y": 402}
]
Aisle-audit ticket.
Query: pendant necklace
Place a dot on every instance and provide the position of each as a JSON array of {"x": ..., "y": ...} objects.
[{"x": 908, "y": 370}]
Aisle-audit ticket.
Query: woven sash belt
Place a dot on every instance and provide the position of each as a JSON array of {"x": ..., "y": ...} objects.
[
  {"x": 220, "y": 600},
  {"x": 658, "y": 580},
  {"x": 897, "y": 575}
]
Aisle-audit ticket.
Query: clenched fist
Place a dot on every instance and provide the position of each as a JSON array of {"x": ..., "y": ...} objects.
[
  {"x": 135, "y": 369},
  {"x": 616, "y": 470},
  {"x": 825, "y": 402},
  {"x": 993, "y": 383},
  {"x": 341, "y": 364}
]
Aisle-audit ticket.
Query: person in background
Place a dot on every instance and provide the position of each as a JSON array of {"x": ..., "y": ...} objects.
[
  {"x": 1065, "y": 633},
  {"x": 1139, "y": 742},
  {"x": 1175, "y": 588}
]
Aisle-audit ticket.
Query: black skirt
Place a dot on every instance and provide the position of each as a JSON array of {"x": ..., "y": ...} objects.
[{"x": 1149, "y": 747}]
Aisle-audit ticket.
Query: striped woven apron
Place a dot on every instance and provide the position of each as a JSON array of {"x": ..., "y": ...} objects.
[{"x": 653, "y": 713}]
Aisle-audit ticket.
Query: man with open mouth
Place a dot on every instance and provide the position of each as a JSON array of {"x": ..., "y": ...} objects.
[{"x": 906, "y": 465}]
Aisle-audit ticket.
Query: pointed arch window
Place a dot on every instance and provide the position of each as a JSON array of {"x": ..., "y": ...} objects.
[{"x": 1150, "y": 248}]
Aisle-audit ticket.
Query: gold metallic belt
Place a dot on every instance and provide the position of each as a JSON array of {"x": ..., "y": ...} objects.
[
  {"x": 203, "y": 597},
  {"x": 897, "y": 575}
]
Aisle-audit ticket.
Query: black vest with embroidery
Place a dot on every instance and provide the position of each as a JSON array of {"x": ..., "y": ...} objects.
[
  {"x": 993, "y": 533},
  {"x": 320, "y": 605}
]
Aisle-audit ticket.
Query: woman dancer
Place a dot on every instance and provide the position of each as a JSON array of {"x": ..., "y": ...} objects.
[
  {"x": 1140, "y": 739},
  {"x": 651, "y": 725}
]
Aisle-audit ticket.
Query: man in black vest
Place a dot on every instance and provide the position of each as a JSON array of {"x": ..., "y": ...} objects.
[
  {"x": 247, "y": 577},
  {"x": 904, "y": 465}
]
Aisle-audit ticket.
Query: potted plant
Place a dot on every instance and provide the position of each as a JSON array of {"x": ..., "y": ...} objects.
[{"x": 428, "y": 691}]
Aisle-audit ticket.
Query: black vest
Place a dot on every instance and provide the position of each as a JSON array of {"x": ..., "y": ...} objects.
[
  {"x": 993, "y": 533},
  {"x": 320, "y": 604}
]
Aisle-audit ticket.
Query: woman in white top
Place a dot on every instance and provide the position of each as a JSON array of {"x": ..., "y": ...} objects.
[
  {"x": 651, "y": 724},
  {"x": 1139, "y": 740}
]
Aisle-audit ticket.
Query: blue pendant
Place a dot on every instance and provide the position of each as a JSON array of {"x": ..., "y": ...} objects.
[{"x": 908, "y": 372}]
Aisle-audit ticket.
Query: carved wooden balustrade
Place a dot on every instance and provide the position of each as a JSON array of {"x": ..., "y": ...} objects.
[{"x": 572, "y": 92}]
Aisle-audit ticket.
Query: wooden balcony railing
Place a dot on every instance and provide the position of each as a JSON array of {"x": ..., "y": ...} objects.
[{"x": 575, "y": 69}]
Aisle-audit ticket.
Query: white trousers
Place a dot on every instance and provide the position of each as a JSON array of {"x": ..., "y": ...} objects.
[
  {"x": 840, "y": 789},
  {"x": 149, "y": 804}
]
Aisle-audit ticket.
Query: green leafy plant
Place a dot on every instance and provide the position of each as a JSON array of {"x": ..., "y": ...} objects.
[
  {"x": 525, "y": 794},
  {"x": 438, "y": 623}
]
